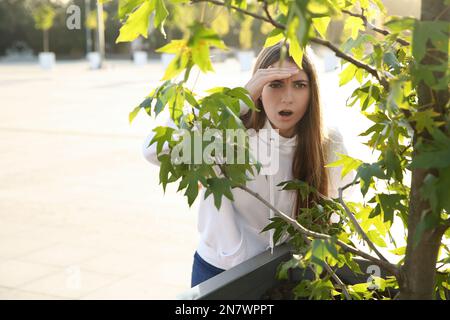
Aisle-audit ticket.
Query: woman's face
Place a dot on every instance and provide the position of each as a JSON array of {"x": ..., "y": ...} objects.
[{"x": 285, "y": 101}]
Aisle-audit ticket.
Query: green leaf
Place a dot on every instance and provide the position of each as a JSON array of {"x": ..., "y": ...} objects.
[
  {"x": 176, "y": 66},
  {"x": 137, "y": 23},
  {"x": 296, "y": 51},
  {"x": 274, "y": 37},
  {"x": 399, "y": 24},
  {"x": 165, "y": 168},
  {"x": 321, "y": 250},
  {"x": 354, "y": 24},
  {"x": 375, "y": 237},
  {"x": 282, "y": 272},
  {"x": 174, "y": 46},
  {"x": 367, "y": 172},
  {"x": 348, "y": 164},
  {"x": 434, "y": 154},
  {"x": 161, "y": 14},
  {"x": 219, "y": 187},
  {"x": 133, "y": 114},
  {"x": 424, "y": 119},
  {"x": 391, "y": 60},
  {"x": 127, "y": 6},
  {"x": 277, "y": 222},
  {"x": 347, "y": 74},
  {"x": 242, "y": 94},
  {"x": 353, "y": 265},
  {"x": 191, "y": 180},
  {"x": 164, "y": 94},
  {"x": 162, "y": 134},
  {"x": 44, "y": 16},
  {"x": 364, "y": 4},
  {"x": 304, "y": 188},
  {"x": 393, "y": 164},
  {"x": 435, "y": 190},
  {"x": 428, "y": 221},
  {"x": 390, "y": 203},
  {"x": 399, "y": 251},
  {"x": 176, "y": 103},
  {"x": 200, "y": 56},
  {"x": 190, "y": 98},
  {"x": 321, "y": 25},
  {"x": 436, "y": 31}
]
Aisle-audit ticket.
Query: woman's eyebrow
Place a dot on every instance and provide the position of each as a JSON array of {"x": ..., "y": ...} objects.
[
  {"x": 299, "y": 80},
  {"x": 302, "y": 80}
]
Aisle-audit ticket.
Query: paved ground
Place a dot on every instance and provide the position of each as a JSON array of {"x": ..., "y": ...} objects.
[{"x": 81, "y": 213}]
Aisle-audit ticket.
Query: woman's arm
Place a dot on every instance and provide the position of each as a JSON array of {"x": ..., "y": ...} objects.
[
  {"x": 149, "y": 151},
  {"x": 336, "y": 145}
]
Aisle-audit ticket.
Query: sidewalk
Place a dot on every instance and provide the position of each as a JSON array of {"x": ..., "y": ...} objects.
[{"x": 81, "y": 213}]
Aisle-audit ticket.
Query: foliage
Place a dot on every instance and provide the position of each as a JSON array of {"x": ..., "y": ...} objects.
[
  {"x": 406, "y": 133},
  {"x": 43, "y": 16},
  {"x": 91, "y": 21}
]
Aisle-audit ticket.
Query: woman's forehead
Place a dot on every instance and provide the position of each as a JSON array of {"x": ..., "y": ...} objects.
[
  {"x": 284, "y": 64},
  {"x": 288, "y": 64}
]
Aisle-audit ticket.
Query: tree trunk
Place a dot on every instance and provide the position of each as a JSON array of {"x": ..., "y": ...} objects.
[
  {"x": 419, "y": 269},
  {"x": 100, "y": 32},
  {"x": 46, "y": 49}
]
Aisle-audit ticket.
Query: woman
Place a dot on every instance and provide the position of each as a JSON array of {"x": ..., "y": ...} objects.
[{"x": 288, "y": 98}]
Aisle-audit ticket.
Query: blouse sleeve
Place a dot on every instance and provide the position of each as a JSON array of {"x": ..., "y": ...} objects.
[
  {"x": 337, "y": 145},
  {"x": 149, "y": 151}
]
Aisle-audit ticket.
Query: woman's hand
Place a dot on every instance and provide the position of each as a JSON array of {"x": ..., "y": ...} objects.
[{"x": 263, "y": 76}]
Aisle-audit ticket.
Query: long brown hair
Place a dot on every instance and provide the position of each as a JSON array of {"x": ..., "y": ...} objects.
[{"x": 310, "y": 153}]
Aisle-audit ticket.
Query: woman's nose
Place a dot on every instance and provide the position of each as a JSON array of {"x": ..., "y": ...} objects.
[{"x": 287, "y": 96}]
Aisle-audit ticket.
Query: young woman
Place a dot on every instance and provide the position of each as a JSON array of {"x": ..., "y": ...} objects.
[{"x": 288, "y": 97}]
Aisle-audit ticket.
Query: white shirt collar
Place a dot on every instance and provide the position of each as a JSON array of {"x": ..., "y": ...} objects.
[{"x": 283, "y": 141}]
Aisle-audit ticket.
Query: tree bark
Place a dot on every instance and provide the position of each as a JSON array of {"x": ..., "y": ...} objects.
[
  {"x": 419, "y": 270},
  {"x": 46, "y": 48}
]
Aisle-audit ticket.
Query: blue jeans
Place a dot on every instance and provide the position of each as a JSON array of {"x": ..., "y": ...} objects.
[{"x": 202, "y": 270}]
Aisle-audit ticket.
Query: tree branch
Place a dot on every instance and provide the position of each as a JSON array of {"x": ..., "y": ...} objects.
[
  {"x": 355, "y": 222},
  {"x": 368, "y": 25},
  {"x": 338, "y": 281},
  {"x": 327, "y": 266},
  {"x": 249, "y": 13},
  {"x": 393, "y": 269},
  {"x": 332, "y": 273},
  {"x": 352, "y": 60},
  {"x": 319, "y": 41},
  {"x": 266, "y": 9}
]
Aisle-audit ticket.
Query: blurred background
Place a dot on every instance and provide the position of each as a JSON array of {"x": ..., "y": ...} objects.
[{"x": 81, "y": 213}]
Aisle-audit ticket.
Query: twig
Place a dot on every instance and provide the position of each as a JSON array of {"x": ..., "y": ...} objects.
[
  {"x": 322, "y": 42},
  {"x": 338, "y": 280},
  {"x": 406, "y": 148},
  {"x": 352, "y": 60},
  {"x": 332, "y": 273},
  {"x": 266, "y": 9},
  {"x": 249, "y": 13},
  {"x": 391, "y": 268},
  {"x": 367, "y": 24},
  {"x": 356, "y": 223}
]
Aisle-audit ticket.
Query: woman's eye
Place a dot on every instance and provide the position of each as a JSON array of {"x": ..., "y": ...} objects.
[
  {"x": 274, "y": 85},
  {"x": 300, "y": 85}
]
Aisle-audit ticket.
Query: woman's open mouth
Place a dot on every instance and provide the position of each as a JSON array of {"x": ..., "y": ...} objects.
[{"x": 285, "y": 114}]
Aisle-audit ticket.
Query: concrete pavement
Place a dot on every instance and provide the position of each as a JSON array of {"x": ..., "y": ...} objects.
[{"x": 81, "y": 213}]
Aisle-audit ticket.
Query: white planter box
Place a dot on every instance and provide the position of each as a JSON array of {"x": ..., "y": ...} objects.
[
  {"x": 94, "y": 59},
  {"x": 140, "y": 58},
  {"x": 166, "y": 58},
  {"x": 47, "y": 60},
  {"x": 246, "y": 59}
]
